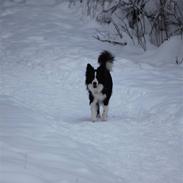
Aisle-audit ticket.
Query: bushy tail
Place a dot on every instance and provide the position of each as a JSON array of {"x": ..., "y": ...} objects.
[{"x": 105, "y": 57}]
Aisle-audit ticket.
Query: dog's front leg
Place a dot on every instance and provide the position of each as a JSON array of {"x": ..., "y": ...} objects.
[
  {"x": 105, "y": 112},
  {"x": 93, "y": 107}
]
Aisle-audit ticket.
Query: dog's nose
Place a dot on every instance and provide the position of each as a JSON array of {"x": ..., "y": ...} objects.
[{"x": 94, "y": 84}]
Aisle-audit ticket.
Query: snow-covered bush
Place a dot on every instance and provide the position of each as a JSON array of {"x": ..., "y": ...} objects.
[{"x": 155, "y": 20}]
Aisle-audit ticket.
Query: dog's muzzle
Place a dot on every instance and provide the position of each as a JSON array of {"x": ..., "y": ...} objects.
[{"x": 94, "y": 84}]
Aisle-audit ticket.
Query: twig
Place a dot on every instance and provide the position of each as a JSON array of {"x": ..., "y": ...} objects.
[{"x": 109, "y": 41}]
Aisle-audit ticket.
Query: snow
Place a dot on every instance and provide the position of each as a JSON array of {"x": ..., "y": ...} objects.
[{"x": 46, "y": 134}]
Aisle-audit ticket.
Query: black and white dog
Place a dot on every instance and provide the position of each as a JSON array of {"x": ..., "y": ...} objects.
[{"x": 99, "y": 85}]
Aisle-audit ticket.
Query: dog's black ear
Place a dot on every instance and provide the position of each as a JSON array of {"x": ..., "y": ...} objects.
[
  {"x": 89, "y": 73},
  {"x": 89, "y": 68}
]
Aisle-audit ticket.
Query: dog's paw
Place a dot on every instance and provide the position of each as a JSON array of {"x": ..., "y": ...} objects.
[
  {"x": 94, "y": 120},
  {"x": 104, "y": 118},
  {"x": 98, "y": 116}
]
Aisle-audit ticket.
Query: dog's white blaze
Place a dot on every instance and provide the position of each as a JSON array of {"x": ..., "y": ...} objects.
[
  {"x": 95, "y": 74},
  {"x": 95, "y": 78}
]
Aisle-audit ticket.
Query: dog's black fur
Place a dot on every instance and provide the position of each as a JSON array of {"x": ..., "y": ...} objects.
[{"x": 99, "y": 82}]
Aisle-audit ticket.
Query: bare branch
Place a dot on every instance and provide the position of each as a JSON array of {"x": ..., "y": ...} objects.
[{"x": 109, "y": 41}]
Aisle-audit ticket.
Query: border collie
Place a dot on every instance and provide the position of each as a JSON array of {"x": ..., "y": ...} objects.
[{"x": 99, "y": 85}]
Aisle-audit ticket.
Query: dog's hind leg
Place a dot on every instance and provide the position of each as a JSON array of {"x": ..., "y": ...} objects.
[
  {"x": 98, "y": 110},
  {"x": 105, "y": 109},
  {"x": 105, "y": 112}
]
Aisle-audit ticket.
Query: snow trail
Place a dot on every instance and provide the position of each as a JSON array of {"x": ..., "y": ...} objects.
[{"x": 45, "y": 130}]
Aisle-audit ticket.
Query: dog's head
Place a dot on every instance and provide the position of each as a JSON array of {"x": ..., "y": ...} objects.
[{"x": 93, "y": 79}]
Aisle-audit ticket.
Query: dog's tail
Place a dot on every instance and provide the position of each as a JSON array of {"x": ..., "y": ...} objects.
[{"x": 105, "y": 57}]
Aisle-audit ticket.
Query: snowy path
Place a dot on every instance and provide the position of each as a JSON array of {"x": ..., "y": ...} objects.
[{"x": 45, "y": 131}]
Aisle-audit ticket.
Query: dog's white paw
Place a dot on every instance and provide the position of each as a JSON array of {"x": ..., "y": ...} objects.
[
  {"x": 98, "y": 116},
  {"x": 94, "y": 116},
  {"x": 104, "y": 118},
  {"x": 94, "y": 120},
  {"x": 105, "y": 113}
]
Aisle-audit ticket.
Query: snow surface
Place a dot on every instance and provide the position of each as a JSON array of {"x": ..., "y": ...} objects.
[{"x": 45, "y": 130}]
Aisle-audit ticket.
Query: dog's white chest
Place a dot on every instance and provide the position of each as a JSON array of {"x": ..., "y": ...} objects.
[
  {"x": 99, "y": 96},
  {"x": 97, "y": 92}
]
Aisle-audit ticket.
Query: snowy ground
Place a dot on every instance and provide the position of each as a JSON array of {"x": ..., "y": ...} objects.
[{"x": 45, "y": 130}]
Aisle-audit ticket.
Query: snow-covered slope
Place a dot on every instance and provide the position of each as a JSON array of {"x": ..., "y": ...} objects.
[{"x": 45, "y": 130}]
